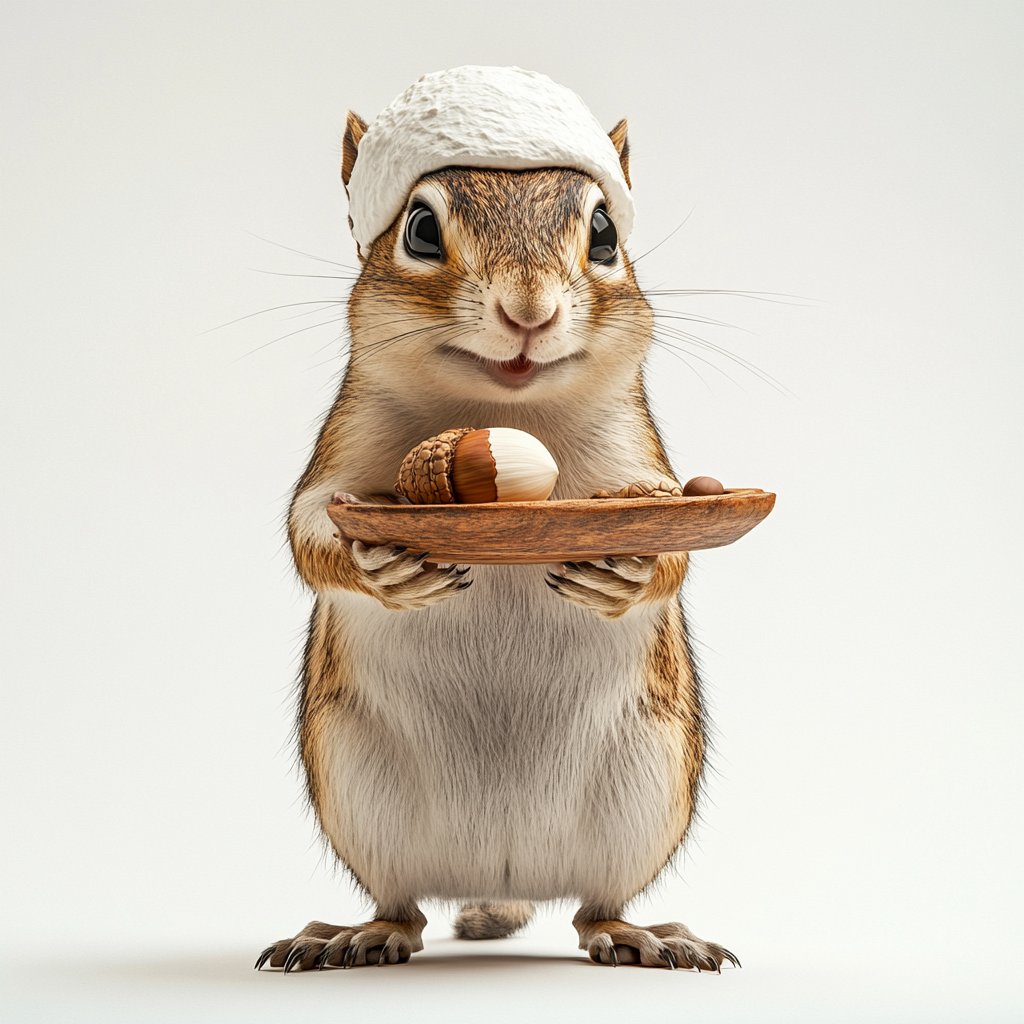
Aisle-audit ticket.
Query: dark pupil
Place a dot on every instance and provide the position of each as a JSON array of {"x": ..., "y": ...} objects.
[
  {"x": 422, "y": 236},
  {"x": 602, "y": 237}
]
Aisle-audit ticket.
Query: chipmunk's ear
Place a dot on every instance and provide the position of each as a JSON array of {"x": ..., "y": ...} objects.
[
  {"x": 355, "y": 128},
  {"x": 621, "y": 144}
]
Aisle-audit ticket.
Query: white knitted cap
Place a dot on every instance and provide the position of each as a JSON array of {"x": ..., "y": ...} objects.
[{"x": 478, "y": 117}]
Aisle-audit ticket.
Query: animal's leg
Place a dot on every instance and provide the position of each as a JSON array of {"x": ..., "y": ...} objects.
[
  {"x": 492, "y": 920},
  {"x": 388, "y": 939},
  {"x": 610, "y": 940}
]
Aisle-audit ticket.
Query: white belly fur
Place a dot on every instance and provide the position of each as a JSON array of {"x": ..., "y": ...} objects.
[{"x": 497, "y": 751}]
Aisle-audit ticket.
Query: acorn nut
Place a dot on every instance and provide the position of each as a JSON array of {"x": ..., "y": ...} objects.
[
  {"x": 701, "y": 485},
  {"x": 473, "y": 466}
]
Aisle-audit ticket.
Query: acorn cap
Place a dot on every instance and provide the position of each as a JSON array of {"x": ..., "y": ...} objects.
[
  {"x": 425, "y": 474},
  {"x": 477, "y": 466}
]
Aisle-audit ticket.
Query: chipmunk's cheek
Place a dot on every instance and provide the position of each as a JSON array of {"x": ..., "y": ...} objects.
[{"x": 559, "y": 346}]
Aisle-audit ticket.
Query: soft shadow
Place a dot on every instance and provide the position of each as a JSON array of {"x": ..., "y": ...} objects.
[{"x": 237, "y": 968}]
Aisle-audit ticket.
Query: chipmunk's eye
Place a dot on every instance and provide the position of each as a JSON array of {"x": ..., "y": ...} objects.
[
  {"x": 422, "y": 235},
  {"x": 603, "y": 237}
]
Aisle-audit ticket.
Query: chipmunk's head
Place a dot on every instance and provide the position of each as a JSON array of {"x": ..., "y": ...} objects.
[{"x": 496, "y": 283}]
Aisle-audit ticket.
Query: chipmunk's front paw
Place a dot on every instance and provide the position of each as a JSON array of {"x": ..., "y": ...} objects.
[
  {"x": 608, "y": 588},
  {"x": 401, "y": 579},
  {"x": 322, "y": 945},
  {"x": 658, "y": 945}
]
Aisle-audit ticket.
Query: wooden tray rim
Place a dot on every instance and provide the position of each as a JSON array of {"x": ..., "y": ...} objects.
[{"x": 537, "y": 511}]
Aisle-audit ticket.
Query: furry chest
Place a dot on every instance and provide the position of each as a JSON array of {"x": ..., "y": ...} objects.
[{"x": 507, "y": 654}]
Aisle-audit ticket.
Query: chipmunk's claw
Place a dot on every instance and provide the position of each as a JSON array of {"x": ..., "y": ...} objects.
[
  {"x": 296, "y": 956},
  {"x": 731, "y": 957}
]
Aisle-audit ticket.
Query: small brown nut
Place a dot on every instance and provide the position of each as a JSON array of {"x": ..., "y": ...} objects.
[
  {"x": 662, "y": 488},
  {"x": 474, "y": 466},
  {"x": 702, "y": 485}
]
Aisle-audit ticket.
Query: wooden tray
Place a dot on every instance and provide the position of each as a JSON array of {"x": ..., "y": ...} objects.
[{"x": 557, "y": 531}]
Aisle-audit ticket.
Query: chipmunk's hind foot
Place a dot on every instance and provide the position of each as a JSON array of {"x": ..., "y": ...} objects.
[
  {"x": 492, "y": 920},
  {"x": 658, "y": 945},
  {"x": 322, "y": 945}
]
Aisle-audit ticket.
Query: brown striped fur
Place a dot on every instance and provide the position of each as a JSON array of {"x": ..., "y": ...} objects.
[
  {"x": 327, "y": 684},
  {"x": 672, "y": 699}
]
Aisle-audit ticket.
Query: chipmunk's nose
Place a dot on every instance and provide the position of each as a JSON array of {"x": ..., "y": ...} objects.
[{"x": 526, "y": 321}]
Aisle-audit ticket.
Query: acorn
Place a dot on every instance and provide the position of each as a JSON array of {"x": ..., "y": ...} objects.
[
  {"x": 473, "y": 466},
  {"x": 701, "y": 485}
]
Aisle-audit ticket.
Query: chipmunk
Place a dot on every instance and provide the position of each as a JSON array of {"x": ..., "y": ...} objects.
[{"x": 495, "y": 734}]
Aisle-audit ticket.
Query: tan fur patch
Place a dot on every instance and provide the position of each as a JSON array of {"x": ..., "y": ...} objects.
[
  {"x": 325, "y": 683},
  {"x": 668, "y": 578},
  {"x": 672, "y": 700}
]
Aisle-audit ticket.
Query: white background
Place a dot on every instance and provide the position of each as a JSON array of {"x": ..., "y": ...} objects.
[{"x": 861, "y": 843}]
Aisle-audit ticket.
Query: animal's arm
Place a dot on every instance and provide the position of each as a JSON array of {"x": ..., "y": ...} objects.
[
  {"x": 324, "y": 565},
  {"x": 323, "y": 559},
  {"x": 668, "y": 578},
  {"x": 401, "y": 580},
  {"x": 614, "y": 585}
]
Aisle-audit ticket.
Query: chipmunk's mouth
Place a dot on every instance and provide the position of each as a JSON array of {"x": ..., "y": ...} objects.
[
  {"x": 510, "y": 373},
  {"x": 513, "y": 373}
]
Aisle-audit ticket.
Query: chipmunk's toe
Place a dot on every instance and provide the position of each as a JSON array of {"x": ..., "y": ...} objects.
[
  {"x": 671, "y": 946},
  {"x": 374, "y": 944},
  {"x": 300, "y": 952},
  {"x": 321, "y": 945}
]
